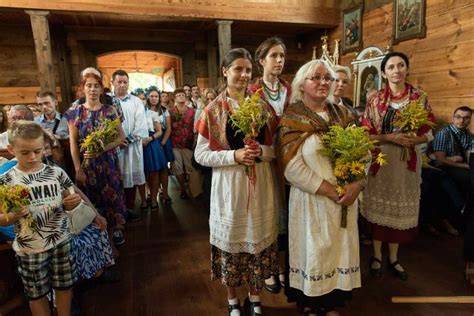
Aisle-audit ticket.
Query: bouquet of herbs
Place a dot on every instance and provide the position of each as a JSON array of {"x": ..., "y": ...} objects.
[
  {"x": 348, "y": 150},
  {"x": 249, "y": 118},
  {"x": 96, "y": 141},
  {"x": 13, "y": 199},
  {"x": 410, "y": 119}
]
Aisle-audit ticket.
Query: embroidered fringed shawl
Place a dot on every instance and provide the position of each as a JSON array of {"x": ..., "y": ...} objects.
[
  {"x": 374, "y": 114},
  {"x": 299, "y": 122},
  {"x": 213, "y": 120}
]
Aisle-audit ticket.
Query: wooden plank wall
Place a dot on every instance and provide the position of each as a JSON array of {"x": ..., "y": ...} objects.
[
  {"x": 19, "y": 80},
  {"x": 22, "y": 95},
  {"x": 17, "y": 57},
  {"x": 442, "y": 64}
]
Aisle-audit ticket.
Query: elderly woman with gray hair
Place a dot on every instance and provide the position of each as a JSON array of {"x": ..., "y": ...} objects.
[{"x": 323, "y": 257}]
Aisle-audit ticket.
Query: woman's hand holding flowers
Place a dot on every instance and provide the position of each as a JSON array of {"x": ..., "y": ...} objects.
[
  {"x": 401, "y": 139},
  {"x": 351, "y": 192},
  {"x": 328, "y": 190},
  {"x": 247, "y": 155},
  {"x": 406, "y": 139},
  {"x": 91, "y": 155}
]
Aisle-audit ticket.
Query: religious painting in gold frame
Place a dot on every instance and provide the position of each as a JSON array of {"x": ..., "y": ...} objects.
[
  {"x": 352, "y": 29},
  {"x": 367, "y": 75},
  {"x": 408, "y": 20}
]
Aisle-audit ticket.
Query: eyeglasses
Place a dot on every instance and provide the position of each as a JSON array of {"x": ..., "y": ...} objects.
[
  {"x": 464, "y": 118},
  {"x": 344, "y": 81},
  {"x": 320, "y": 78},
  {"x": 16, "y": 118}
]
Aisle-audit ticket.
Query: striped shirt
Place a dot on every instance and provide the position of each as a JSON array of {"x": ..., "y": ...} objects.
[{"x": 453, "y": 141}]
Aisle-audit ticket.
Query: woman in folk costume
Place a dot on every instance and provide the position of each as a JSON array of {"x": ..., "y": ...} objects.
[
  {"x": 243, "y": 223},
  {"x": 323, "y": 256},
  {"x": 392, "y": 206},
  {"x": 270, "y": 59}
]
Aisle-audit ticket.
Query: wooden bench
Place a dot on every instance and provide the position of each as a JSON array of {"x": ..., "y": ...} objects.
[
  {"x": 15, "y": 299},
  {"x": 5, "y": 246}
]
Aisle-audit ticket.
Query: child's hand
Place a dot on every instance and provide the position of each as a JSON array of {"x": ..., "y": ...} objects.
[
  {"x": 13, "y": 217},
  {"x": 71, "y": 201}
]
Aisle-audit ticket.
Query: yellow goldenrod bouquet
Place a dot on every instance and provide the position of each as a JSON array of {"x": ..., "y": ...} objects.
[
  {"x": 13, "y": 199},
  {"x": 249, "y": 118},
  {"x": 96, "y": 141},
  {"x": 411, "y": 118},
  {"x": 348, "y": 150}
]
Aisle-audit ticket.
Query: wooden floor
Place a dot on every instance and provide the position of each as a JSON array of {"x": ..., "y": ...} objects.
[{"x": 164, "y": 267}]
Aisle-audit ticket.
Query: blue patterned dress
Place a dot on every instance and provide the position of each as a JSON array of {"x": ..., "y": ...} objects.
[
  {"x": 104, "y": 185},
  {"x": 91, "y": 251}
]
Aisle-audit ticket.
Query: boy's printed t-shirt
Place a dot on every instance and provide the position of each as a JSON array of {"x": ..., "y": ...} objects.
[{"x": 46, "y": 206}]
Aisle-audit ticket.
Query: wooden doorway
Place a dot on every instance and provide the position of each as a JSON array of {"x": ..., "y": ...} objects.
[{"x": 145, "y": 68}]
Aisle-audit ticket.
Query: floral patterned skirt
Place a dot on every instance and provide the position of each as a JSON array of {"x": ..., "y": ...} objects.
[
  {"x": 104, "y": 187},
  {"x": 236, "y": 269}
]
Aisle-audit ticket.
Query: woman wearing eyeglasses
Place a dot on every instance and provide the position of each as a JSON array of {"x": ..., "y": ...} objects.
[
  {"x": 323, "y": 256},
  {"x": 391, "y": 200}
]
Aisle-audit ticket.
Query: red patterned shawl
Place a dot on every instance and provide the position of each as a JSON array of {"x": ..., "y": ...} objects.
[
  {"x": 213, "y": 120},
  {"x": 377, "y": 107}
]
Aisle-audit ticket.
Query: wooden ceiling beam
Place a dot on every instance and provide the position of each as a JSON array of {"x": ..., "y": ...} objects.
[
  {"x": 81, "y": 33},
  {"x": 321, "y": 13}
]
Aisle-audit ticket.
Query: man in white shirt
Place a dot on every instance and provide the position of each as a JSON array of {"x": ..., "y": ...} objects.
[{"x": 135, "y": 128}]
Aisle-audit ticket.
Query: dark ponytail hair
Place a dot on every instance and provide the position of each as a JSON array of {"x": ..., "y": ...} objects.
[{"x": 229, "y": 58}]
